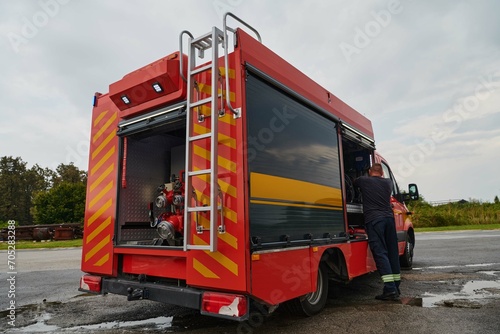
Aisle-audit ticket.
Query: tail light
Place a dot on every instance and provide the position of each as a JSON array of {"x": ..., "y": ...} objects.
[
  {"x": 226, "y": 305},
  {"x": 89, "y": 283}
]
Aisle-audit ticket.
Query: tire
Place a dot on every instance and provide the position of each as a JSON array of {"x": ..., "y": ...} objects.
[
  {"x": 406, "y": 260},
  {"x": 312, "y": 303}
]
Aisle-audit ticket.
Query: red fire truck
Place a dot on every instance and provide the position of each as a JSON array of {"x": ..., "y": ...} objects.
[{"x": 222, "y": 179}]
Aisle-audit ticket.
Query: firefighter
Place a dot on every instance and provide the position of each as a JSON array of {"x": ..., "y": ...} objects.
[{"x": 380, "y": 227}]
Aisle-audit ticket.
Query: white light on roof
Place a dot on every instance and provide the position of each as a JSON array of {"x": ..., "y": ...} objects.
[
  {"x": 157, "y": 87},
  {"x": 125, "y": 99}
]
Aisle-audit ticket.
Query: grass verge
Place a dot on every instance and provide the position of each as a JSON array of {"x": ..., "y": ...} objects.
[
  {"x": 459, "y": 228},
  {"x": 26, "y": 244}
]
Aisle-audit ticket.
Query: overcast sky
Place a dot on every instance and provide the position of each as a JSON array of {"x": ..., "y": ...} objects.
[{"x": 427, "y": 73}]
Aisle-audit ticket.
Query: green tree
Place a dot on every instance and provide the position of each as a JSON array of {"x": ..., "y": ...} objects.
[
  {"x": 63, "y": 203},
  {"x": 11, "y": 170},
  {"x": 496, "y": 200},
  {"x": 69, "y": 173},
  {"x": 18, "y": 185}
]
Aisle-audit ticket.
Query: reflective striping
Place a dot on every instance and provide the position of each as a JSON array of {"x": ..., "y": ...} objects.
[
  {"x": 97, "y": 248},
  {"x": 219, "y": 257},
  {"x": 387, "y": 278},
  {"x": 230, "y": 239},
  {"x": 199, "y": 267},
  {"x": 231, "y": 215},
  {"x": 227, "y": 141},
  {"x": 222, "y": 162},
  {"x": 228, "y": 189},
  {"x": 274, "y": 188},
  {"x": 100, "y": 117},
  {"x": 207, "y": 89},
  {"x": 103, "y": 144},
  {"x": 232, "y": 72},
  {"x": 98, "y": 230},
  {"x": 99, "y": 212},
  {"x": 223, "y": 139},
  {"x": 103, "y": 160},
  {"x": 102, "y": 261},
  {"x": 102, "y": 177},
  {"x": 104, "y": 127},
  {"x": 101, "y": 194}
]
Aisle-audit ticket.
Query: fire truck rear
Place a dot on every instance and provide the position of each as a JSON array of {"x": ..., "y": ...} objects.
[{"x": 221, "y": 179}]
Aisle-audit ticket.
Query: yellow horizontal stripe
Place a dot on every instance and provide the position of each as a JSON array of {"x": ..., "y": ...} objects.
[
  {"x": 103, "y": 160},
  {"x": 103, "y": 144},
  {"x": 101, "y": 193},
  {"x": 263, "y": 186},
  {"x": 203, "y": 270},
  {"x": 104, "y": 127},
  {"x": 219, "y": 257},
  {"x": 102, "y": 261},
  {"x": 97, "y": 248},
  {"x": 99, "y": 212},
  {"x": 98, "y": 230},
  {"x": 102, "y": 177},
  {"x": 296, "y": 205},
  {"x": 101, "y": 116}
]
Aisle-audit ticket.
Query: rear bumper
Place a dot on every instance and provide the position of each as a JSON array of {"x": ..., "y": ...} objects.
[{"x": 181, "y": 296}]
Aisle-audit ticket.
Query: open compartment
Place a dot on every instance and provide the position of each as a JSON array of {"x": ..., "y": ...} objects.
[
  {"x": 150, "y": 197},
  {"x": 357, "y": 160}
]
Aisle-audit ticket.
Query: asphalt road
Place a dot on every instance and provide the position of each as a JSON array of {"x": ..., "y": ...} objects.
[{"x": 453, "y": 288}]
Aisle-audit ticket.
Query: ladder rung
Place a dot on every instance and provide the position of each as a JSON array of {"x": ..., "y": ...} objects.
[
  {"x": 199, "y": 247},
  {"x": 199, "y": 208},
  {"x": 202, "y": 136},
  {"x": 201, "y": 69},
  {"x": 200, "y": 102},
  {"x": 199, "y": 172},
  {"x": 202, "y": 40}
]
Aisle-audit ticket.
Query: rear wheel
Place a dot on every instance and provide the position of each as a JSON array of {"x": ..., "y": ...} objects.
[
  {"x": 312, "y": 303},
  {"x": 406, "y": 260}
]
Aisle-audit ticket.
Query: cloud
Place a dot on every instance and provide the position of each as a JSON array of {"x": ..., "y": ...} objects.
[{"x": 428, "y": 59}]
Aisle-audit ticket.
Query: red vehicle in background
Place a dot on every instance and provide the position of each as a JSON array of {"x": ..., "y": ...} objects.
[{"x": 221, "y": 180}]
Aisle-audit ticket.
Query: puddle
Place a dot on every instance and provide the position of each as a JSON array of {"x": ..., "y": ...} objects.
[
  {"x": 41, "y": 326},
  {"x": 474, "y": 294}
]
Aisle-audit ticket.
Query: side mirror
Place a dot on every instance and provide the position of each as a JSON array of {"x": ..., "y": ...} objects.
[
  {"x": 412, "y": 194},
  {"x": 413, "y": 191}
]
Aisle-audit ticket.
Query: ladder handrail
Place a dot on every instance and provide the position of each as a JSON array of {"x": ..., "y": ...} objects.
[
  {"x": 236, "y": 112},
  {"x": 180, "y": 52}
]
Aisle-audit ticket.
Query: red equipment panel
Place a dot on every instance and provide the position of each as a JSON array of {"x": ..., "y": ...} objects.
[{"x": 100, "y": 205}]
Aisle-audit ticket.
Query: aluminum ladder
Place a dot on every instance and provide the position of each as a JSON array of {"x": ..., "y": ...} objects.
[{"x": 210, "y": 41}]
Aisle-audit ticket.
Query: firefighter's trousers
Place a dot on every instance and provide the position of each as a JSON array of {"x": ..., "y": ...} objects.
[{"x": 383, "y": 242}]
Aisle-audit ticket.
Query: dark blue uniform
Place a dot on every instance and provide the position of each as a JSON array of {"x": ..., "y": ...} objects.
[{"x": 381, "y": 229}]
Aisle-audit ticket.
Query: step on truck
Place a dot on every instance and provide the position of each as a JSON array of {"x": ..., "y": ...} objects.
[{"x": 221, "y": 179}]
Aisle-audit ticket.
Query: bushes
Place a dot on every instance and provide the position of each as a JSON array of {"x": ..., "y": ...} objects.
[{"x": 458, "y": 213}]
